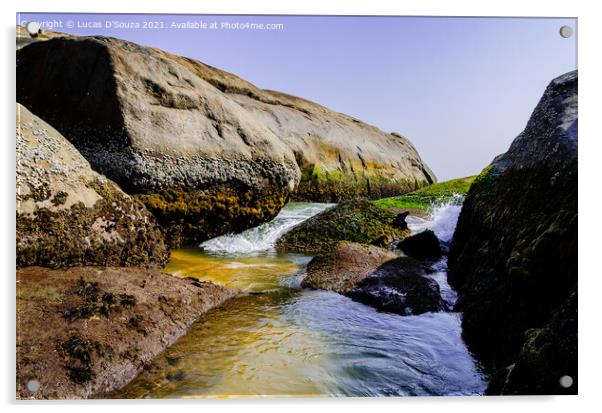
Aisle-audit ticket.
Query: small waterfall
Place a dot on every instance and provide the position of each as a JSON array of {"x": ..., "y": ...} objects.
[
  {"x": 442, "y": 219},
  {"x": 264, "y": 236}
]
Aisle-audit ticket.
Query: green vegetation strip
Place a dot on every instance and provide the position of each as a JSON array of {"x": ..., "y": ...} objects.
[{"x": 425, "y": 197}]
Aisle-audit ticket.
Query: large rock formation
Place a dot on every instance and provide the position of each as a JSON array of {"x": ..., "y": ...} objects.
[
  {"x": 206, "y": 151},
  {"x": 85, "y": 331},
  {"x": 67, "y": 214},
  {"x": 513, "y": 258}
]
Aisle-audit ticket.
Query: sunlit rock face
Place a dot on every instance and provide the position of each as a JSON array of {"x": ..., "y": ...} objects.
[
  {"x": 207, "y": 152},
  {"x": 513, "y": 258}
]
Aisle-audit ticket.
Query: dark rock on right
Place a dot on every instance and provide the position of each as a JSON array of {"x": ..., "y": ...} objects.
[
  {"x": 422, "y": 246},
  {"x": 513, "y": 258}
]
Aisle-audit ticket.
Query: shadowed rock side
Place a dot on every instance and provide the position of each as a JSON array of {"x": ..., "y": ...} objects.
[
  {"x": 513, "y": 259},
  {"x": 355, "y": 221},
  {"x": 376, "y": 277},
  {"x": 91, "y": 330},
  {"x": 206, "y": 151},
  {"x": 422, "y": 246},
  {"x": 67, "y": 214}
]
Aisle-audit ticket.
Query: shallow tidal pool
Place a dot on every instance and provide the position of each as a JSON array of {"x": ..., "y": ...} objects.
[{"x": 280, "y": 340}]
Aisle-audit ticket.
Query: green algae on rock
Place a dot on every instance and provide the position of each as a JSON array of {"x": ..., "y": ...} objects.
[
  {"x": 355, "y": 221},
  {"x": 68, "y": 214},
  {"x": 513, "y": 258},
  {"x": 424, "y": 198}
]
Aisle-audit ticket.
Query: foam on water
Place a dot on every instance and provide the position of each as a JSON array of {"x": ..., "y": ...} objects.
[
  {"x": 442, "y": 219},
  {"x": 263, "y": 237}
]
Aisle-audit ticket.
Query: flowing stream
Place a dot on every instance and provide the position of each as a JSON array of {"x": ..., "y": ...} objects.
[{"x": 281, "y": 340}]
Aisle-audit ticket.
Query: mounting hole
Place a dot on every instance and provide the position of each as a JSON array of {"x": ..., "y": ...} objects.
[
  {"x": 32, "y": 28},
  {"x": 566, "y": 31},
  {"x": 566, "y": 381},
  {"x": 33, "y": 385}
]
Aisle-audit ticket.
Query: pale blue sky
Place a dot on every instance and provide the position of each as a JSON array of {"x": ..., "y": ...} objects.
[{"x": 460, "y": 89}]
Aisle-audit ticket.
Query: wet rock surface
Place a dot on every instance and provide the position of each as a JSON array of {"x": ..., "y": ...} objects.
[
  {"x": 354, "y": 221},
  {"x": 422, "y": 246},
  {"x": 171, "y": 129},
  {"x": 67, "y": 214},
  {"x": 399, "y": 286},
  {"x": 86, "y": 331},
  {"x": 513, "y": 259},
  {"x": 376, "y": 277}
]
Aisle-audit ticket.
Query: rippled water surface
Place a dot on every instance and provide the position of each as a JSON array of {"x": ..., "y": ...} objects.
[{"x": 280, "y": 340}]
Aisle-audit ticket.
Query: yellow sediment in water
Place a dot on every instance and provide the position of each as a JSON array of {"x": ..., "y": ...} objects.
[
  {"x": 245, "y": 348},
  {"x": 253, "y": 273}
]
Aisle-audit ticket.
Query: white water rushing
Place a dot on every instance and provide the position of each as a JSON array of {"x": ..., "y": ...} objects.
[
  {"x": 264, "y": 236},
  {"x": 442, "y": 219}
]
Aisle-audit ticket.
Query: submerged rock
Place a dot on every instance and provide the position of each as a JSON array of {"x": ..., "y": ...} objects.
[
  {"x": 375, "y": 276},
  {"x": 422, "y": 246},
  {"x": 206, "y": 151},
  {"x": 513, "y": 258},
  {"x": 67, "y": 214},
  {"x": 86, "y": 331},
  {"x": 355, "y": 221}
]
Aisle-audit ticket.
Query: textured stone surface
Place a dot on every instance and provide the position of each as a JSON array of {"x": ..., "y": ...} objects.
[
  {"x": 85, "y": 331},
  {"x": 344, "y": 266},
  {"x": 513, "y": 258},
  {"x": 67, "y": 214},
  {"x": 171, "y": 128}
]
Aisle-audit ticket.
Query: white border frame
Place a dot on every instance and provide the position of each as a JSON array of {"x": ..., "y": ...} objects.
[{"x": 590, "y": 28}]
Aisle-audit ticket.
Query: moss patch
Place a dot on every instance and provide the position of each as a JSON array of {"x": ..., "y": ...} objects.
[
  {"x": 424, "y": 198},
  {"x": 355, "y": 221},
  {"x": 321, "y": 185}
]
